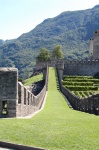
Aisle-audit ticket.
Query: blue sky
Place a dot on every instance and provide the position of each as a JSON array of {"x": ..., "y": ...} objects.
[{"x": 21, "y": 16}]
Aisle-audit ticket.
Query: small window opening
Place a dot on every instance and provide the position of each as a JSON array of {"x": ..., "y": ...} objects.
[{"x": 4, "y": 108}]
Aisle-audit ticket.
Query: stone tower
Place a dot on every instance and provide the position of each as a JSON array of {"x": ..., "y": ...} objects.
[
  {"x": 94, "y": 46},
  {"x": 91, "y": 49},
  {"x": 8, "y": 91}
]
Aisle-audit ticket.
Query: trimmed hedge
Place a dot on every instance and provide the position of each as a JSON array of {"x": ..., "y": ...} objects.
[
  {"x": 95, "y": 81},
  {"x": 80, "y": 77},
  {"x": 82, "y": 88},
  {"x": 83, "y": 94},
  {"x": 77, "y": 83}
]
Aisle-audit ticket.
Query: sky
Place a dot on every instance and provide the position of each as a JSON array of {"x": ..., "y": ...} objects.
[{"x": 21, "y": 16}]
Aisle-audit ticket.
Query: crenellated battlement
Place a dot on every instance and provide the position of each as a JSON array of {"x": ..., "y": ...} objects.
[
  {"x": 81, "y": 67},
  {"x": 90, "y": 62}
]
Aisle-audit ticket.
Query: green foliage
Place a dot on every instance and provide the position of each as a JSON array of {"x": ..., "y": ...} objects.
[
  {"x": 84, "y": 94},
  {"x": 77, "y": 83},
  {"x": 78, "y": 77},
  {"x": 81, "y": 86},
  {"x": 44, "y": 55},
  {"x": 57, "y": 52},
  {"x": 95, "y": 81}
]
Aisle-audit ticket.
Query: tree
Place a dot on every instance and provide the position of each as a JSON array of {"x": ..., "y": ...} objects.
[
  {"x": 44, "y": 55},
  {"x": 57, "y": 52}
]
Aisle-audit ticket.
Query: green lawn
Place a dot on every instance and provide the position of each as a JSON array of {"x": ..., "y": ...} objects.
[
  {"x": 33, "y": 79},
  {"x": 56, "y": 127}
]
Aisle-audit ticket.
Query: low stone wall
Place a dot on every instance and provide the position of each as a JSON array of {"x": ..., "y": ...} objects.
[
  {"x": 27, "y": 102},
  {"x": 90, "y": 104}
]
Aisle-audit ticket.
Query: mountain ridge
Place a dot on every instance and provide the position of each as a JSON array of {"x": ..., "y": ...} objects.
[{"x": 71, "y": 29}]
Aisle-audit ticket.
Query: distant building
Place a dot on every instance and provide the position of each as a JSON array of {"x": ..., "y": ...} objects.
[{"x": 94, "y": 46}]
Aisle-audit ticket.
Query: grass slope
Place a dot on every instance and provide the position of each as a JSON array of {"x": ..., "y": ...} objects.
[
  {"x": 33, "y": 79},
  {"x": 56, "y": 127}
]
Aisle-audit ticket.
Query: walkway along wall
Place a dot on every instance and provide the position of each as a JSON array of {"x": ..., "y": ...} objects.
[
  {"x": 29, "y": 103},
  {"x": 90, "y": 104}
]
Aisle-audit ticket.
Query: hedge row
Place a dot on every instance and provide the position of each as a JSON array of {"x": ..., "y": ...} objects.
[
  {"x": 95, "y": 81},
  {"x": 77, "y": 83},
  {"x": 81, "y": 88},
  {"x": 80, "y": 77},
  {"x": 83, "y": 94}
]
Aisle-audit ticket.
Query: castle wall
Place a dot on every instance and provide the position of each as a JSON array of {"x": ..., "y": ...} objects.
[
  {"x": 8, "y": 91},
  {"x": 83, "y": 68},
  {"x": 27, "y": 102},
  {"x": 89, "y": 104}
]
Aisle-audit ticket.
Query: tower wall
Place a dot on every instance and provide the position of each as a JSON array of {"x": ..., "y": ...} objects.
[
  {"x": 96, "y": 45},
  {"x": 8, "y": 91},
  {"x": 91, "y": 49}
]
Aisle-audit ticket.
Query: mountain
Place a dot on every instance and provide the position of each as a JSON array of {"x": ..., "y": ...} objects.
[{"x": 71, "y": 29}]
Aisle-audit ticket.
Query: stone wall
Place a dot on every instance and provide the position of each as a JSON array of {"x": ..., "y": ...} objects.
[
  {"x": 72, "y": 67},
  {"x": 90, "y": 104},
  {"x": 29, "y": 103},
  {"x": 83, "y": 68},
  {"x": 8, "y": 91}
]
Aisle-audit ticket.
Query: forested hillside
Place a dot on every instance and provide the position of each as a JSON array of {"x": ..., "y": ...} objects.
[{"x": 71, "y": 29}]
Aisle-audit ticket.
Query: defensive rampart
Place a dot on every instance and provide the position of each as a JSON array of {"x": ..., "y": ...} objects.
[{"x": 81, "y": 67}]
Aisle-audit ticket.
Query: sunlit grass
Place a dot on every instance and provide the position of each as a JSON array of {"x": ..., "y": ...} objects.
[
  {"x": 33, "y": 79},
  {"x": 56, "y": 127}
]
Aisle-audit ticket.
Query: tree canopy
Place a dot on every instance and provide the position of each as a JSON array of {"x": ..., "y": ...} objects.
[
  {"x": 44, "y": 55},
  {"x": 57, "y": 52}
]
